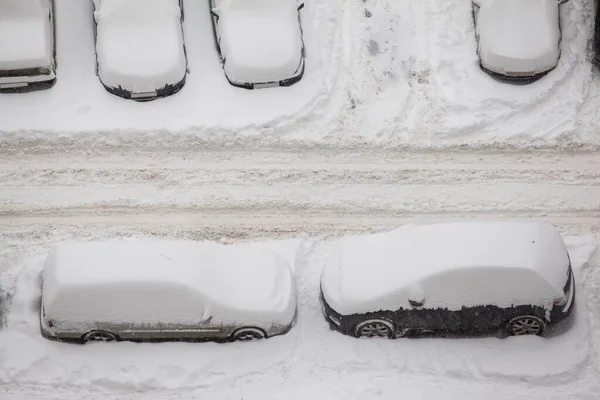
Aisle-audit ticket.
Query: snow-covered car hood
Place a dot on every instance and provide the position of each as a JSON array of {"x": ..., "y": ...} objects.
[
  {"x": 365, "y": 273},
  {"x": 518, "y": 36},
  {"x": 29, "y": 21},
  {"x": 228, "y": 283},
  {"x": 260, "y": 43},
  {"x": 139, "y": 44}
]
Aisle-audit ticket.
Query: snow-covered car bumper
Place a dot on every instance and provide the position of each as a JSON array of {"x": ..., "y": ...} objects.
[{"x": 26, "y": 79}]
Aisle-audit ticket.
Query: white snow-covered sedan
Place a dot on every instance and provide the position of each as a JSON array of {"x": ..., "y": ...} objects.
[
  {"x": 260, "y": 41},
  {"x": 27, "y": 45},
  {"x": 152, "y": 290},
  {"x": 518, "y": 39},
  {"x": 140, "y": 47}
]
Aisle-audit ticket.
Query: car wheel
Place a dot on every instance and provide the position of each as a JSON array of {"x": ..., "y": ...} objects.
[
  {"x": 248, "y": 334},
  {"x": 374, "y": 328},
  {"x": 99, "y": 336},
  {"x": 525, "y": 325}
]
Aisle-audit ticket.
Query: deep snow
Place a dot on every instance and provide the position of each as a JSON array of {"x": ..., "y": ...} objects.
[
  {"x": 309, "y": 357},
  {"x": 378, "y": 73}
]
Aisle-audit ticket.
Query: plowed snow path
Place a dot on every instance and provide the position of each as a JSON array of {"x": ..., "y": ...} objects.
[{"x": 241, "y": 194}]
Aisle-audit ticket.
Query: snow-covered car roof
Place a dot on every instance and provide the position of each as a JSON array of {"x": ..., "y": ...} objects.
[
  {"x": 29, "y": 22},
  {"x": 222, "y": 279},
  {"x": 518, "y": 36},
  {"x": 261, "y": 40},
  {"x": 139, "y": 44},
  {"x": 363, "y": 269}
]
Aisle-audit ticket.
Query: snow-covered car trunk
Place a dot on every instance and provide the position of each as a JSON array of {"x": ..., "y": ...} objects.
[
  {"x": 164, "y": 290},
  {"x": 27, "y": 48},
  {"x": 260, "y": 41},
  {"x": 140, "y": 47},
  {"x": 518, "y": 39}
]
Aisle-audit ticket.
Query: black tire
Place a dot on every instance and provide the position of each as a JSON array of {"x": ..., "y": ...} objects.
[
  {"x": 525, "y": 325},
  {"x": 371, "y": 328},
  {"x": 99, "y": 336},
  {"x": 248, "y": 334}
]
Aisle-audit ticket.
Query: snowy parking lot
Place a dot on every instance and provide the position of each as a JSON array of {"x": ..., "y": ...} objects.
[{"x": 392, "y": 123}]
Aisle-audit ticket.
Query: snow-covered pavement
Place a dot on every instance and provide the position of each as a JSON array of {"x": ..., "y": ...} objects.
[{"x": 310, "y": 197}]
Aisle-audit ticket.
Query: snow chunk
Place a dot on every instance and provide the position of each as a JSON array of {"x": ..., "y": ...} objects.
[
  {"x": 261, "y": 40},
  {"x": 29, "y": 21},
  {"x": 139, "y": 44},
  {"x": 149, "y": 281},
  {"x": 519, "y": 36},
  {"x": 457, "y": 264}
]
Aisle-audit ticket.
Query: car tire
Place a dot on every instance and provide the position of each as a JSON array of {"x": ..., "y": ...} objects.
[
  {"x": 371, "y": 328},
  {"x": 525, "y": 325},
  {"x": 248, "y": 334},
  {"x": 99, "y": 336}
]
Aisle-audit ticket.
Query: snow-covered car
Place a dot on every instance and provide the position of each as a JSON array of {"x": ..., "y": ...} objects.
[
  {"x": 140, "y": 49},
  {"x": 27, "y": 45},
  {"x": 475, "y": 277},
  {"x": 517, "y": 39},
  {"x": 153, "y": 290},
  {"x": 260, "y": 41}
]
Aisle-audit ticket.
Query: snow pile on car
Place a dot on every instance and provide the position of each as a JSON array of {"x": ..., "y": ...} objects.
[
  {"x": 145, "y": 281},
  {"x": 261, "y": 40},
  {"x": 381, "y": 271},
  {"x": 25, "y": 34},
  {"x": 139, "y": 44}
]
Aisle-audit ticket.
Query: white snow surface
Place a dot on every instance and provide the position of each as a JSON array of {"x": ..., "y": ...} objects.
[
  {"x": 310, "y": 360},
  {"x": 140, "y": 44},
  {"x": 405, "y": 73},
  {"x": 519, "y": 36},
  {"x": 151, "y": 281},
  {"x": 25, "y": 34},
  {"x": 261, "y": 40},
  {"x": 452, "y": 264}
]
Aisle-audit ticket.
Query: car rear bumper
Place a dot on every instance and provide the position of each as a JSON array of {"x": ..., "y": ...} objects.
[
  {"x": 165, "y": 91},
  {"x": 26, "y": 80}
]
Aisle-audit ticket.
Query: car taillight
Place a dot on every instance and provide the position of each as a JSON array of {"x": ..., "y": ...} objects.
[
  {"x": 50, "y": 324},
  {"x": 560, "y": 301}
]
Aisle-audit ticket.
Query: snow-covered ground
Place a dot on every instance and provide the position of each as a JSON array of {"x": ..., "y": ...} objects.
[
  {"x": 384, "y": 73},
  {"x": 306, "y": 199},
  {"x": 428, "y": 137}
]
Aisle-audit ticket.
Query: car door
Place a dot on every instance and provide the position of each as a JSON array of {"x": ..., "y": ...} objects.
[{"x": 423, "y": 313}]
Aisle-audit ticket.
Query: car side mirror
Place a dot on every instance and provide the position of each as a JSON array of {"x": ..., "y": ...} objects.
[
  {"x": 214, "y": 13},
  {"x": 561, "y": 2},
  {"x": 416, "y": 297},
  {"x": 300, "y": 6}
]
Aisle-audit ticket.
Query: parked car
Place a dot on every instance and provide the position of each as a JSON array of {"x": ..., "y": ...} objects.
[
  {"x": 465, "y": 278},
  {"x": 155, "y": 290},
  {"x": 140, "y": 49},
  {"x": 516, "y": 39},
  {"x": 260, "y": 41},
  {"x": 27, "y": 45}
]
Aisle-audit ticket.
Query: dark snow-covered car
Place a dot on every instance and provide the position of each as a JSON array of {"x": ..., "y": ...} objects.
[
  {"x": 27, "y": 45},
  {"x": 157, "y": 290},
  {"x": 517, "y": 39},
  {"x": 260, "y": 41},
  {"x": 597, "y": 35},
  {"x": 465, "y": 278},
  {"x": 140, "y": 49}
]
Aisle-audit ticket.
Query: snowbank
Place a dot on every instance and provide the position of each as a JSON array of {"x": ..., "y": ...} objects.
[
  {"x": 261, "y": 40},
  {"x": 461, "y": 264},
  {"x": 152, "y": 281},
  {"x": 518, "y": 36},
  {"x": 25, "y": 34},
  {"x": 140, "y": 44}
]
